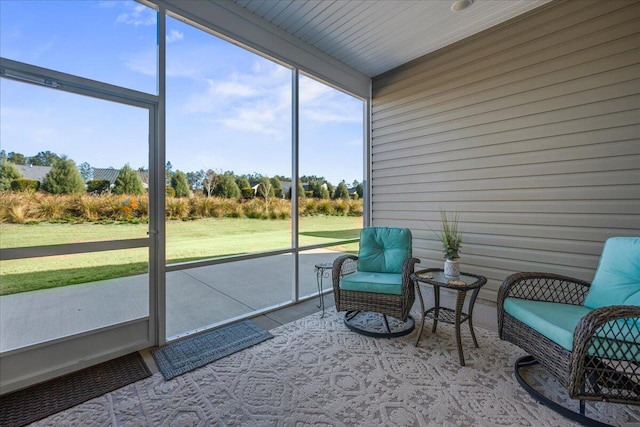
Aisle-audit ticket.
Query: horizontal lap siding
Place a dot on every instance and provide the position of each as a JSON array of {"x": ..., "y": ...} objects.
[{"x": 531, "y": 131}]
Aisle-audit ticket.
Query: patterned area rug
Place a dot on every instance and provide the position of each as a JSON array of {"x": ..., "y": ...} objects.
[
  {"x": 197, "y": 350},
  {"x": 317, "y": 372}
]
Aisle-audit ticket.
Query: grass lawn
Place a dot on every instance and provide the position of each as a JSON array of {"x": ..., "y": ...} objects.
[{"x": 186, "y": 241}]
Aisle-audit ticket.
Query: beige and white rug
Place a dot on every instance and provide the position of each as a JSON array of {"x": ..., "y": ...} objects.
[{"x": 316, "y": 372}]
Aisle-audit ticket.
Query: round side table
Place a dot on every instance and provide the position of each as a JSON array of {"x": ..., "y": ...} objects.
[{"x": 466, "y": 282}]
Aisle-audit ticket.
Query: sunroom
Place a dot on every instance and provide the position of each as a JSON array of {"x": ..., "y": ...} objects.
[{"x": 520, "y": 116}]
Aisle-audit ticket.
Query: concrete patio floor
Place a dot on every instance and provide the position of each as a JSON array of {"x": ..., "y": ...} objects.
[{"x": 197, "y": 298}]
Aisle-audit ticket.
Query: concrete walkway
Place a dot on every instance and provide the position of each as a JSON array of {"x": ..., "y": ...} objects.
[{"x": 196, "y": 298}]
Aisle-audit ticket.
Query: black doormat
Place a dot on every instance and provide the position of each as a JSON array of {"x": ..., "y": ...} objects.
[{"x": 39, "y": 401}]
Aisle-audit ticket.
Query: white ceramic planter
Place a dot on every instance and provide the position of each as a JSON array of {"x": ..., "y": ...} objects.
[{"x": 452, "y": 268}]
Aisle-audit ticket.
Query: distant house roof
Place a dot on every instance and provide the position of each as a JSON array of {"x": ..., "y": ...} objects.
[
  {"x": 105, "y": 174},
  {"x": 110, "y": 174},
  {"x": 36, "y": 173}
]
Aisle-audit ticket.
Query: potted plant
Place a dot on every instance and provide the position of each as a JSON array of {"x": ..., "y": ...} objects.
[{"x": 451, "y": 238}]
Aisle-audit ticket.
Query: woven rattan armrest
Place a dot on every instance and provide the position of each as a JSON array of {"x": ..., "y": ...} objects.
[
  {"x": 337, "y": 273},
  {"x": 621, "y": 369},
  {"x": 407, "y": 271},
  {"x": 538, "y": 286}
]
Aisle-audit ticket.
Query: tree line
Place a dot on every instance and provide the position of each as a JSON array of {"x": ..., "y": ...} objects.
[{"x": 65, "y": 177}]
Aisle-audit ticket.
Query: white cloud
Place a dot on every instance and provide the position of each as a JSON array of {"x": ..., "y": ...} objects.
[
  {"x": 231, "y": 89},
  {"x": 143, "y": 62},
  {"x": 257, "y": 102},
  {"x": 174, "y": 35},
  {"x": 138, "y": 15},
  {"x": 311, "y": 90},
  {"x": 181, "y": 69},
  {"x": 321, "y": 103}
]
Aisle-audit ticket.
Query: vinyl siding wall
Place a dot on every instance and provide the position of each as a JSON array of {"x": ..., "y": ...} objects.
[{"x": 530, "y": 131}]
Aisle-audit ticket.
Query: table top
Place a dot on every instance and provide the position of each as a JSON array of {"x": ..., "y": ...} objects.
[
  {"x": 435, "y": 276},
  {"x": 324, "y": 265}
]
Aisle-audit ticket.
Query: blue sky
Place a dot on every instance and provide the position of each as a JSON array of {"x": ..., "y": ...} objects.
[{"x": 228, "y": 109}]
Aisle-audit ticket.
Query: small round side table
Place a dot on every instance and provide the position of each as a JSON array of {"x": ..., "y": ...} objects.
[{"x": 466, "y": 282}]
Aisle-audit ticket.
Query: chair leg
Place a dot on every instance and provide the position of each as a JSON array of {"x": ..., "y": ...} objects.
[
  {"x": 351, "y": 314},
  {"x": 404, "y": 328},
  {"x": 581, "y": 418}
]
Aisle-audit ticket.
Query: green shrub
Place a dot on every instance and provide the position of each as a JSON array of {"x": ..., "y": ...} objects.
[
  {"x": 170, "y": 192},
  {"x": 25, "y": 185},
  {"x": 341, "y": 192},
  {"x": 63, "y": 178},
  {"x": 277, "y": 188},
  {"x": 227, "y": 187},
  {"x": 247, "y": 193},
  {"x": 128, "y": 182},
  {"x": 98, "y": 186},
  {"x": 180, "y": 185},
  {"x": 8, "y": 173}
]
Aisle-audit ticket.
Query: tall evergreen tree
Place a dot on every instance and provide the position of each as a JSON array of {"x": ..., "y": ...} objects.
[
  {"x": 227, "y": 187},
  {"x": 63, "y": 178},
  {"x": 180, "y": 185},
  {"x": 168, "y": 173},
  {"x": 342, "y": 192},
  {"x": 17, "y": 158},
  {"x": 243, "y": 183},
  {"x": 128, "y": 182},
  {"x": 277, "y": 187},
  {"x": 45, "y": 158},
  {"x": 8, "y": 173},
  {"x": 86, "y": 171}
]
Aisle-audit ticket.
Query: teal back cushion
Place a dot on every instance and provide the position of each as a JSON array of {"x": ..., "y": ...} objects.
[
  {"x": 384, "y": 249},
  {"x": 617, "y": 280}
]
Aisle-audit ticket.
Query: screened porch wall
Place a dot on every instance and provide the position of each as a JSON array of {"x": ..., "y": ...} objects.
[{"x": 530, "y": 131}]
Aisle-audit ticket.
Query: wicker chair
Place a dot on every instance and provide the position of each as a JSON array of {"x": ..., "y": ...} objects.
[
  {"x": 381, "y": 282},
  {"x": 586, "y": 334}
]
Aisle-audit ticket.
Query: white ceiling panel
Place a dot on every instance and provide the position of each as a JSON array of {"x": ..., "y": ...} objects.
[{"x": 374, "y": 36}]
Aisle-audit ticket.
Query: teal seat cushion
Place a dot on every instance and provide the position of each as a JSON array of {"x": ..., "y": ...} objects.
[
  {"x": 384, "y": 249},
  {"x": 617, "y": 279},
  {"x": 553, "y": 320},
  {"x": 380, "y": 283}
]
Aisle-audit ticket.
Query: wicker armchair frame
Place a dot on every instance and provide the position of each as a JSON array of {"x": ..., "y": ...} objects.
[
  {"x": 604, "y": 364},
  {"x": 396, "y": 306}
]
